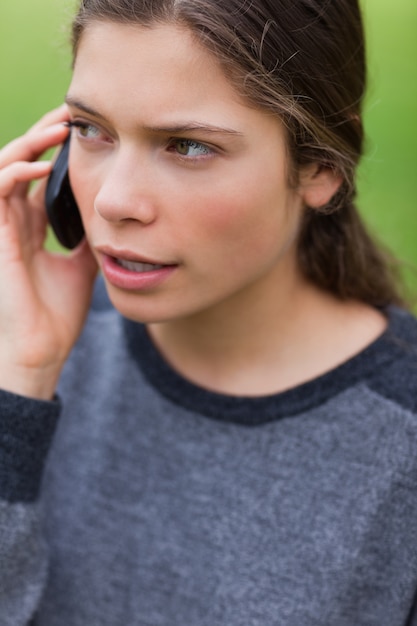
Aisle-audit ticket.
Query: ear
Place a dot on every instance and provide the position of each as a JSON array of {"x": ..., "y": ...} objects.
[{"x": 318, "y": 185}]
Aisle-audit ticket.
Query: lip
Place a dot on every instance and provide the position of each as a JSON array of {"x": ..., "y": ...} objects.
[
  {"x": 128, "y": 255},
  {"x": 131, "y": 280}
]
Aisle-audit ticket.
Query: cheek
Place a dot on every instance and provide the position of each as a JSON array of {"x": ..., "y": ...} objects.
[
  {"x": 246, "y": 216},
  {"x": 82, "y": 185}
]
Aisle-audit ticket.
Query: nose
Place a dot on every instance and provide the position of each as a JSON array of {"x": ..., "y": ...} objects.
[{"x": 127, "y": 191}]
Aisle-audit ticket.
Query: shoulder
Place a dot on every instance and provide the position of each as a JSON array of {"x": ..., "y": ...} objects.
[{"x": 396, "y": 378}]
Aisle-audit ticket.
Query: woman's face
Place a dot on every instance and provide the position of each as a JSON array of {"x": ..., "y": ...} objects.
[{"x": 183, "y": 188}]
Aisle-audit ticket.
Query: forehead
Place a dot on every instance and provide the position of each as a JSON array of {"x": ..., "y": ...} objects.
[{"x": 161, "y": 66}]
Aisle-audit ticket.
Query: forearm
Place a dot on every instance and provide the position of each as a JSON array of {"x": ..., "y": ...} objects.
[{"x": 26, "y": 430}]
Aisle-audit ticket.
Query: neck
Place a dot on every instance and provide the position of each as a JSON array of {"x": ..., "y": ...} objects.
[{"x": 267, "y": 341}]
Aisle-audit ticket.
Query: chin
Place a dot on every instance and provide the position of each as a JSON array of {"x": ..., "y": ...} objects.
[{"x": 144, "y": 308}]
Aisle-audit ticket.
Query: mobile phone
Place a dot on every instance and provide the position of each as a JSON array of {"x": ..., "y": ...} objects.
[{"x": 61, "y": 207}]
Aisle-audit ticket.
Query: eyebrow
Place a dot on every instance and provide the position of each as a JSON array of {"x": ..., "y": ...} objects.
[
  {"x": 174, "y": 129},
  {"x": 79, "y": 104}
]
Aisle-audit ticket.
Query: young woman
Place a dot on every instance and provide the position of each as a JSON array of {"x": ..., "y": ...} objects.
[{"x": 226, "y": 435}]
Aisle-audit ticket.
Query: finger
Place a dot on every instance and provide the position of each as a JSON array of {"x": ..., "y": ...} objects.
[
  {"x": 37, "y": 194},
  {"x": 16, "y": 174},
  {"x": 37, "y": 213},
  {"x": 21, "y": 172},
  {"x": 33, "y": 144}
]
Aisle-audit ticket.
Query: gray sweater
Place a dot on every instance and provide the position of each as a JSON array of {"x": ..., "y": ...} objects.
[{"x": 139, "y": 499}]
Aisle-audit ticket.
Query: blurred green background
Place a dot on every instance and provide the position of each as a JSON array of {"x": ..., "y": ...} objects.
[{"x": 35, "y": 71}]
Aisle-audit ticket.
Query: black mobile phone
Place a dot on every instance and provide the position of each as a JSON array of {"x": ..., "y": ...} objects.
[{"x": 61, "y": 207}]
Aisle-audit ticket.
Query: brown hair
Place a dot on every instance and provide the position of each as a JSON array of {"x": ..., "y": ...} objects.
[{"x": 303, "y": 61}]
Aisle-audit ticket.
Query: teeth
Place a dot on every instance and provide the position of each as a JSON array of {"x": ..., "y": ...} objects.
[{"x": 138, "y": 267}]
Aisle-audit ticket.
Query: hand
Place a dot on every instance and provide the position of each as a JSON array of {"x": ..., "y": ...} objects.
[{"x": 44, "y": 296}]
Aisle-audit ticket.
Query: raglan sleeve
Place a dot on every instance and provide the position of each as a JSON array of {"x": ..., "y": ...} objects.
[{"x": 26, "y": 431}]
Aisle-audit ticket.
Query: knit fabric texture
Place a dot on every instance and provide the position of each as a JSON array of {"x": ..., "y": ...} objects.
[{"x": 164, "y": 504}]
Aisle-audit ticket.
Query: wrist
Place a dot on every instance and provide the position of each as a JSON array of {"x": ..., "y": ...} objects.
[{"x": 39, "y": 384}]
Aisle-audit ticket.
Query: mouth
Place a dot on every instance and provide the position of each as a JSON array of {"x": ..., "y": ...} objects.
[
  {"x": 138, "y": 266},
  {"x": 130, "y": 260},
  {"x": 129, "y": 271}
]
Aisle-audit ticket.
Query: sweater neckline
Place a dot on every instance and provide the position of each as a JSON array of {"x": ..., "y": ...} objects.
[{"x": 252, "y": 411}]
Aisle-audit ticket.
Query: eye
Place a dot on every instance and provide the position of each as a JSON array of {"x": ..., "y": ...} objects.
[
  {"x": 190, "y": 148},
  {"x": 88, "y": 131}
]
